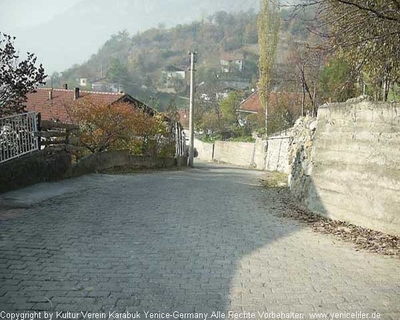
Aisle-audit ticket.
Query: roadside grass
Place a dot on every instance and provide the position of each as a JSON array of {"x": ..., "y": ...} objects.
[{"x": 274, "y": 179}]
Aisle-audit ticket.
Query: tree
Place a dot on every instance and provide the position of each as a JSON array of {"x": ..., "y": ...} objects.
[
  {"x": 305, "y": 62},
  {"x": 268, "y": 27},
  {"x": 17, "y": 78},
  {"x": 228, "y": 109},
  {"x": 210, "y": 122},
  {"x": 251, "y": 35},
  {"x": 221, "y": 17},
  {"x": 220, "y": 119},
  {"x": 337, "y": 82},
  {"x": 285, "y": 111},
  {"x": 118, "y": 73},
  {"x": 366, "y": 34},
  {"x": 172, "y": 111},
  {"x": 119, "y": 126}
]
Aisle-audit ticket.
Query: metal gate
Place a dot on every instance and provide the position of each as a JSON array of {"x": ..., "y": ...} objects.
[{"x": 18, "y": 136}]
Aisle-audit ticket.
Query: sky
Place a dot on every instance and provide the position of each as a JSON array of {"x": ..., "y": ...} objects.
[{"x": 34, "y": 12}]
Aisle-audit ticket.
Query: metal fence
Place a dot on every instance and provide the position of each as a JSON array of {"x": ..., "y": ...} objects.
[
  {"x": 18, "y": 136},
  {"x": 180, "y": 138}
]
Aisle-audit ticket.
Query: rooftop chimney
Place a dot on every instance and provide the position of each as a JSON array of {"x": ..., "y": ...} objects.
[
  {"x": 65, "y": 86},
  {"x": 51, "y": 94},
  {"x": 76, "y": 93}
]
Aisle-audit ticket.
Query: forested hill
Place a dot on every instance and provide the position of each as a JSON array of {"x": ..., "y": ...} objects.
[{"x": 136, "y": 61}]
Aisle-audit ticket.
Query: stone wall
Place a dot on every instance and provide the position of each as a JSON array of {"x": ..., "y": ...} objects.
[
  {"x": 50, "y": 164},
  {"x": 349, "y": 169},
  {"x": 40, "y": 166},
  {"x": 102, "y": 162},
  {"x": 300, "y": 158}
]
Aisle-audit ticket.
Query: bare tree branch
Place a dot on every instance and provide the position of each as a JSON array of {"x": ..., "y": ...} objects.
[{"x": 379, "y": 14}]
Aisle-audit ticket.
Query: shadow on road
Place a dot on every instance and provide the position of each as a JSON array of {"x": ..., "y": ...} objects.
[{"x": 159, "y": 242}]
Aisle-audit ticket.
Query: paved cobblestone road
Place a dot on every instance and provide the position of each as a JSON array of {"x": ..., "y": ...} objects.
[{"x": 200, "y": 240}]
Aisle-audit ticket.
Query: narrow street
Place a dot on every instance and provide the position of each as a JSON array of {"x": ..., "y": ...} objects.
[{"x": 192, "y": 241}]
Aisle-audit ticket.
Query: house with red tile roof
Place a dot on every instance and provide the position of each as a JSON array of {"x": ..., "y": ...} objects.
[
  {"x": 51, "y": 103},
  {"x": 252, "y": 105}
]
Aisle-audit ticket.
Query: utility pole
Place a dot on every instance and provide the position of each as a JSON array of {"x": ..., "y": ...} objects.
[{"x": 191, "y": 111}]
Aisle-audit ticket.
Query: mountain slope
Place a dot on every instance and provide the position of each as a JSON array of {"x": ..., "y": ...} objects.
[{"x": 73, "y": 35}]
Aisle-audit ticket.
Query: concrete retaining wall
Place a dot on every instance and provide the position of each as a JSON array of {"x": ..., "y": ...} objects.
[
  {"x": 237, "y": 153},
  {"x": 355, "y": 165},
  {"x": 205, "y": 150},
  {"x": 245, "y": 154},
  {"x": 271, "y": 156},
  {"x": 278, "y": 154}
]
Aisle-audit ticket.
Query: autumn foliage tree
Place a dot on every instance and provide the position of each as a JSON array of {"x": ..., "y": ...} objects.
[{"x": 121, "y": 126}]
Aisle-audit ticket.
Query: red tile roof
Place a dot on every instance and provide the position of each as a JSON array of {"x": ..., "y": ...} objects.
[
  {"x": 291, "y": 100},
  {"x": 252, "y": 103},
  {"x": 55, "y": 108}
]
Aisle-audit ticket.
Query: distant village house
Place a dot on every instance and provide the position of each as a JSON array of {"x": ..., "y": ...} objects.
[
  {"x": 173, "y": 79},
  {"x": 232, "y": 62}
]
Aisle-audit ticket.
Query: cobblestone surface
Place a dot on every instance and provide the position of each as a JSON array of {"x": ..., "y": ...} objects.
[{"x": 193, "y": 241}]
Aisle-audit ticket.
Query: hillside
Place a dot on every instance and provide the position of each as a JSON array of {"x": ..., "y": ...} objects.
[{"x": 136, "y": 62}]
